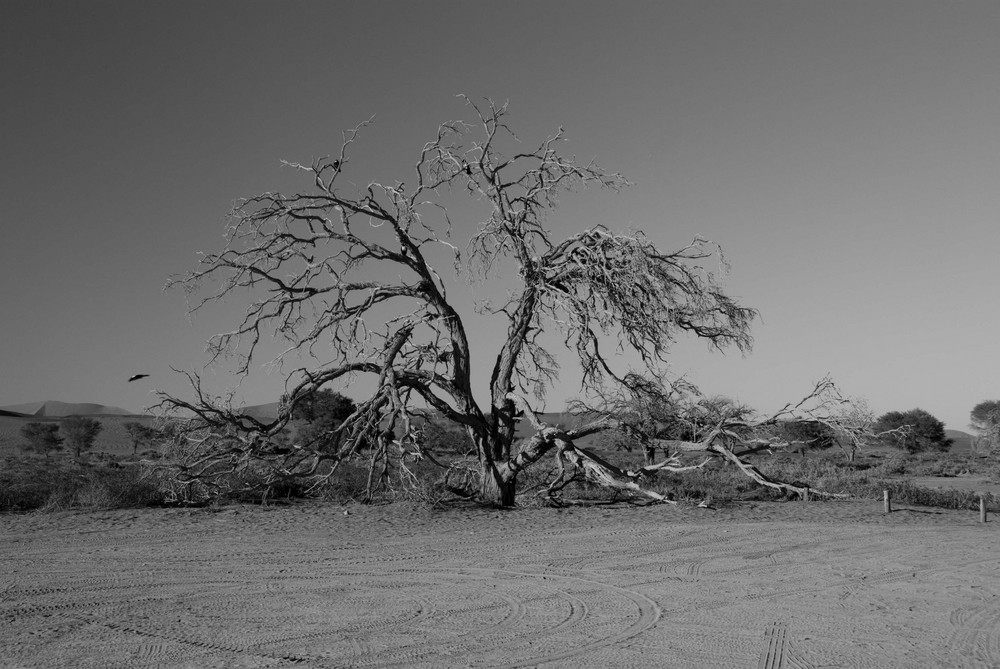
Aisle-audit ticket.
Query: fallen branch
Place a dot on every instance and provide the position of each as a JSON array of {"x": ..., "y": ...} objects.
[{"x": 802, "y": 491}]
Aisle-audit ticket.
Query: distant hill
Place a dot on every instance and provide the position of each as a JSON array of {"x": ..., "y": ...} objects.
[
  {"x": 963, "y": 440},
  {"x": 261, "y": 412},
  {"x": 52, "y": 408}
]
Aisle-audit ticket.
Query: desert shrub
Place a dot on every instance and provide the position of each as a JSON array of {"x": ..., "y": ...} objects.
[
  {"x": 28, "y": 484},
  {"x": 720, "y": 483},
  {"x": 421, "y": 481},
  {"x": 931, "y": 464},
  {"x": 25, "y": 485},
  {"x": 443, "y": 436},
  {"x": 186, "y": 493},
  {"x": 894, "y": 465},
  {"x": 42, "y": 437},
  {"x": 348, "y": 485},
  {"x": 427, "y": 484},
  {"x": 934, "y": 464},
  {"x": 120, "y": 487},
  {"x": 905, "y": 492}
]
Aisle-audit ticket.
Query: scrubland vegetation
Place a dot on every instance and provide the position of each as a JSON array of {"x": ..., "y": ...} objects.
[
  {"x": 31, "y": 481},
  {"x": 306, "y": 261}
]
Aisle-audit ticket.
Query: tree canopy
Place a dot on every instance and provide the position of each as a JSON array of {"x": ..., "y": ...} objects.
[
  {"x": 139, "y": 434},
  {"x": 43, "y": 437},
  {"x": 985, "y": 420},
  {"x": 914, "y": 431},
  {"x": 322, "y": 413},
  {"x": 81, "y": 432},
  {"x": 808, "y": 434}
]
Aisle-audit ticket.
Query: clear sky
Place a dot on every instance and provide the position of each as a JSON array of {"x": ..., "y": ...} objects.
[{"x": 845, "y": 154}]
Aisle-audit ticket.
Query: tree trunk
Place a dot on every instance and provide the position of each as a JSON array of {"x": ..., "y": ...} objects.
[{"x": 498, "y": 485}]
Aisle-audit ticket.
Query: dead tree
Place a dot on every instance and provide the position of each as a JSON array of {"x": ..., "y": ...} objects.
[
  {"x": 343, "y": 273},
  {"x": 651, "y": 411}
]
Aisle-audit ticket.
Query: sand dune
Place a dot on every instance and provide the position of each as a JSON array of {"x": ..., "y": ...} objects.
[{"x": 54, "y": 408}]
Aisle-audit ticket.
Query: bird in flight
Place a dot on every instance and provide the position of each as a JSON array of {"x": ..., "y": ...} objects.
[{"x": 136, "y": 377}]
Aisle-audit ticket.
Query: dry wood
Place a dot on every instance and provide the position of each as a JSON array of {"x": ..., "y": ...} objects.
[{"x": 342, "y": 274}]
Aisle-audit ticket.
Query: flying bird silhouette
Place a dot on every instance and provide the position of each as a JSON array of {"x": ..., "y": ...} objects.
[{"x": 136, "y": 377}]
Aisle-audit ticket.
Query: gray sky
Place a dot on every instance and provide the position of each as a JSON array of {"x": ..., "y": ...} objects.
[{"x": 845, "y": 155}]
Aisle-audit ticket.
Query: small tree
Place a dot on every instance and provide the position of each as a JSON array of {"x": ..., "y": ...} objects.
[
  {"x": 805, "y": 435},
  {"x": 43, "y": 437},
  {"x": 81, "y": 433},
  {"x": 321, "y": 414},
  {"x": 914, "y": 431},
  {"x": 139, "y": 433},
  {"x": 985, "y": 420}
]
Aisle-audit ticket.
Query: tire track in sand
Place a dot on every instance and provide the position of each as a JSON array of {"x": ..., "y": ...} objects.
[
  {"x": 976, "y": 635},
  {"x": 776, "y": 653},
  {"x": 542, "y": 607}
]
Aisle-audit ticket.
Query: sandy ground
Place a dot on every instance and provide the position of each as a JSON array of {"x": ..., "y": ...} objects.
[{"x": 832, "y": 584}]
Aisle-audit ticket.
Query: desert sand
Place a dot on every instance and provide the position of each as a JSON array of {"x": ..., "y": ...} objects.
[{"x": 766, "y": 585}]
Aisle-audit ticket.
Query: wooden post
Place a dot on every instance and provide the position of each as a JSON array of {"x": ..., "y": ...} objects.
[
  {"x": 805, "y": 496},
  {"x": 982, "y": 508},
  {"x": 888, "y": 502}
]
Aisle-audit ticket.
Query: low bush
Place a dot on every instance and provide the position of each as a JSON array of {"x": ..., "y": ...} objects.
[
  {"x": 905, "y": 492},
  {"x": 894, "y": 465},
  {"x": 31, "y": 483},
  {"x": 347, "y": 485}
]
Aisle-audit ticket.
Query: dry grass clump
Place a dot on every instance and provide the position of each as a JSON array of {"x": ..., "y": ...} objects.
[
  {"x": 905, "y": 492},
  {"x": 30, "y": 483}
]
